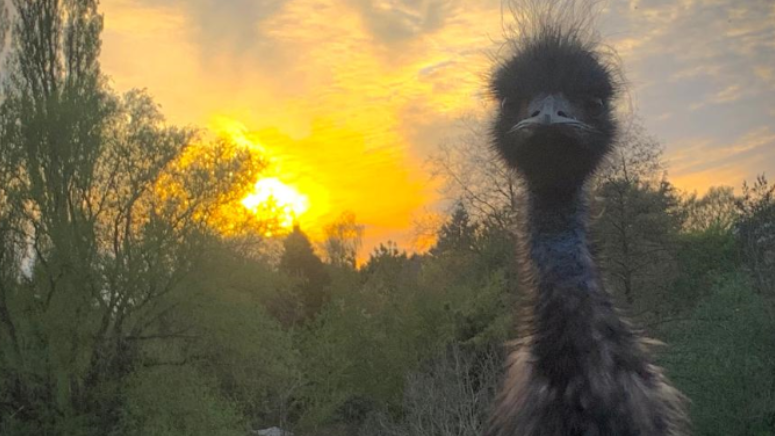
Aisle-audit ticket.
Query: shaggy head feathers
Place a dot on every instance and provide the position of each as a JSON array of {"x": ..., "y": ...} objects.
[{"x": 553, "y": 51}]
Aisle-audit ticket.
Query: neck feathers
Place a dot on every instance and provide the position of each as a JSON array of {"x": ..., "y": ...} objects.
[
  {"x": 581, "y": 370},
  {"x": 576, "y": 329},
  {"x": 558, "y": 249}
]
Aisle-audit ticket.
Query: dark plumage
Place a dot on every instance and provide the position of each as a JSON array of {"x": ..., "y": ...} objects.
[{"x": 580, "y": 369}]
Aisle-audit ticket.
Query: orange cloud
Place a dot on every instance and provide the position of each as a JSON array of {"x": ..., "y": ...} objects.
[{"x": 701, "y": 163}]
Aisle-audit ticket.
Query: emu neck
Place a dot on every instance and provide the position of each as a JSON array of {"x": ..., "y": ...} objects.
[
  {"x": 558, "y": 248},
  {"x": 575, "y": 328}
]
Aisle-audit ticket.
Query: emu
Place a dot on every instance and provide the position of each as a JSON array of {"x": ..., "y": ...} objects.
[{"x": 580, "y": 369}]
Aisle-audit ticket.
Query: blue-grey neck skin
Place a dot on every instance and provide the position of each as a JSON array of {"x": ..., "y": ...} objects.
[
  {"x": 558, "y": 246},
  {"x": 576, "y": 330}
]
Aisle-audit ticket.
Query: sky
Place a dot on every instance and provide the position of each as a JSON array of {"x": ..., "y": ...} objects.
[{"x": 349, "y": 98}]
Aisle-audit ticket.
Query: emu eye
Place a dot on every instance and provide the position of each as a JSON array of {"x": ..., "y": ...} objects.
[{"x": 595, "y": 106}]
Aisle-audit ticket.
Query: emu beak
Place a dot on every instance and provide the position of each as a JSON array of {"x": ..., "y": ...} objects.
[{"x": 553, "y": 109}]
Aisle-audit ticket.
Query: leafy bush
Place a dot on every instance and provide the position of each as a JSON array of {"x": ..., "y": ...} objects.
[
  {"x": 722, "y": 357},
  {"x": 177, "y": 400}
]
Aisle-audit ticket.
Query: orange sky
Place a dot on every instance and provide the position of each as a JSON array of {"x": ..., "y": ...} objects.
[
  {"x": 339, "y": 114},
  {"x": 350, "y": 97}
]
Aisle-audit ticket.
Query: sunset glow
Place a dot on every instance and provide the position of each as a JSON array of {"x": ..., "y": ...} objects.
[
  {"x": 285, "y": 193},
  {"x": 282, "y": 202},
  {"x": 346, "y": 101}
]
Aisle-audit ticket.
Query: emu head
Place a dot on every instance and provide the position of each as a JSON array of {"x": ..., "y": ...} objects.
[{"x": 554, "y": 122}]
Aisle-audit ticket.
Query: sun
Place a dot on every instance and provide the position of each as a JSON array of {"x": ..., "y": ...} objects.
[
  {"x": 283, "y": 193},
  {"x": 273, "y": 198}
]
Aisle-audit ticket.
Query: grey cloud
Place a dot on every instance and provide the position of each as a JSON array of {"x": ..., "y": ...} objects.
[
  {"x": 429, "y": 70},
  {"x": 225, "y": 25},
  {"x": 393, "y": 21},
  {"x": 702, "y": 61}
]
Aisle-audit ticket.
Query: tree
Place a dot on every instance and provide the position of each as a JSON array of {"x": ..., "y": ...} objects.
[
  {"x": 637, "y": 155},
  {"x": 450, "y": 395},
  {"x": 707, "y": 249},
  {"x": 171, "y": 401},
  {"x": 476, "y": 177},
  {"x": 459, "y": 233},
  {"x": 715, "y": 211},
  {"x": 51, "y": 125},
  {"x": 639, "y": 217},
  {"x": 344, "y": 238},
  {"x": 637, "y": 231},
  {"x": 3, "y": 25},
  {"x": 720, "y": 356},
  {"x": 756, "y": 233},
  {"x": 357, "y": 351},
  {"x": 233, "y": 338},
  {"x": 311, "y": 292},
  {"x": 102, "y": 223}
]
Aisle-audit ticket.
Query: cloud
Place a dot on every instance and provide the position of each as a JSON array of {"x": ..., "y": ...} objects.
[
  {"x": 766, "y": 74},
  {"x": 720, "y": 38},
  {"x": 232, "y": 25},
  {"x": 727, "y": 95},
  {"x": 370, "y": 87},
  {"x": 714, "y": 163},
  {"x": 346, "y": 114},
  {"x": 394, "y": 21}
]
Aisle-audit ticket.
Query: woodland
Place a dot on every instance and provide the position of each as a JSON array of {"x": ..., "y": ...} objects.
[{"x": 126, "y": 310}]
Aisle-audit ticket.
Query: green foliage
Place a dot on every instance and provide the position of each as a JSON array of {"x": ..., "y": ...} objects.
[
  {"x": 359, "y": 349},
  {"x": 715, "y": 211},
  {"x": 722, "y": 356},
  {"x": 236, "y": 340},
  {"x": 96, "y": 234},
  {"x": 636, "y": 234},
  {"x": 172, "y": 401},
  {"x": 702, "y": 257},
  {"x": 3, "y": 25},
  {"x": 467, "y": 300},
  {"x": 457, "y": 234},
  {"x": 403, "y": 311},
  {"x": 707, "y": 248},
  {"x": 756, "y": 233},
  {"x": 311, "y": 292}
]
